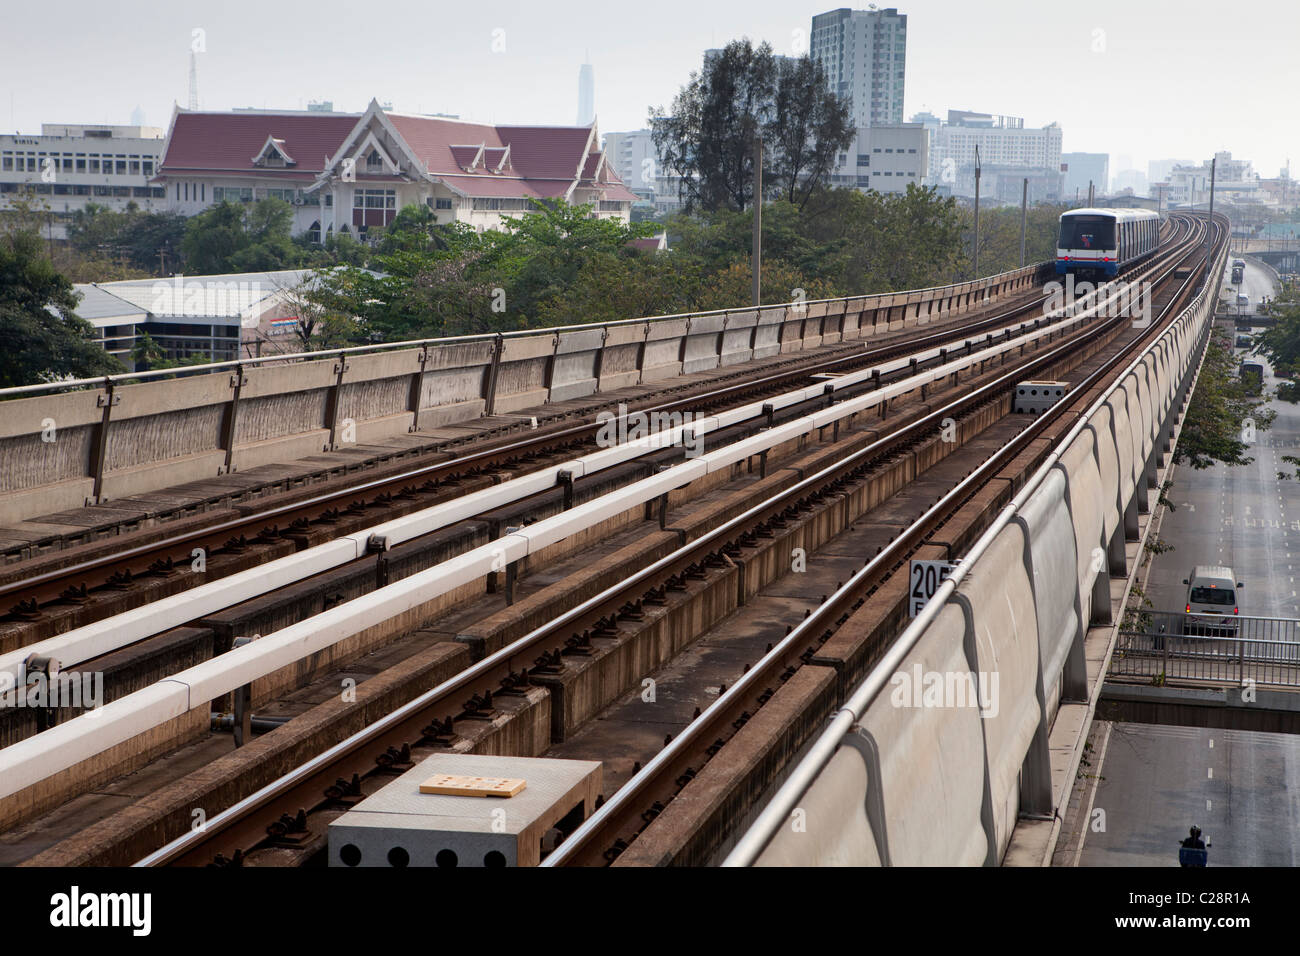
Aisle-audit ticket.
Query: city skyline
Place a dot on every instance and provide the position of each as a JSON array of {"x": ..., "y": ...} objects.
[{"x": 523, "y": 59}]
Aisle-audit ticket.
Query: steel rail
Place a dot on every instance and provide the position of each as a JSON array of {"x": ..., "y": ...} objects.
[
  {"x": 777, "y": 810},
  {"x": 594, "y": 834},
  {"x": 294, "y": 790}
]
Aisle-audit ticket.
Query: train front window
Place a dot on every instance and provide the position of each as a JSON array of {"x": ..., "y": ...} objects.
[{"x": 1087, "y": 232}]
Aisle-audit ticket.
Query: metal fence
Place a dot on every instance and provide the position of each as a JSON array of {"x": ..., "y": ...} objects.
[{"x": 1227, "y": 649}]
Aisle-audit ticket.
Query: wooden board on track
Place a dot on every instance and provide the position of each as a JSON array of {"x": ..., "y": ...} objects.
[{"x": 459, "y": 786}]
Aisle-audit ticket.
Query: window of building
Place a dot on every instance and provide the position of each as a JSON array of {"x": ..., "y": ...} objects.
[
  {"x": 374, "y": 199},
  {"x": 147, "y": 166},
  {"x": 7, "y": 162},
  {"x": 120, "y": 167},
  {"x": 442, "y": 204},
  {"x": 135, "y": 167}
]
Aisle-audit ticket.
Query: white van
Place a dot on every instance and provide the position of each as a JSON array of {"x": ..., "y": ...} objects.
[
  {"x": 1212, "y": 609},
  {"x": 1243, "y": 302}
]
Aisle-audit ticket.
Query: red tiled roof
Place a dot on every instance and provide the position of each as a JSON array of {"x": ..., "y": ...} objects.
[
  {"x": 544, "y": 161},
  {"x": 220, "y": 141},
  {"x": 536, "y": 152},
  {"x": 506, "y": 187},
  {"x": 546, "y": 152},
  {"x": 462, "y": 156}
]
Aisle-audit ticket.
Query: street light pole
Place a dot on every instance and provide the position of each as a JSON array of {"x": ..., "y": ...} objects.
[
  {"x": 1024, "y": 205},
  {"x": 976, "y": 244},
  {"x": 1208, "y": 232},
  {"x": 758, "y": 220}
]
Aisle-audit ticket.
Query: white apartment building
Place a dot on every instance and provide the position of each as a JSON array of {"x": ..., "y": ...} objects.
[
  {"x": 1003, "y": 141},
  {"x": 635, "y": 160},
  {"x": 864, "y": 54},
  {"x": 885, "y": 158},
  {"x": 1235, "y": 181},
  {"x": 69, "y": 166}
]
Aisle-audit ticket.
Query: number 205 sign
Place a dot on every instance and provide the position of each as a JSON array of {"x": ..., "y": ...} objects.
[{"x": 926, "y": 578}]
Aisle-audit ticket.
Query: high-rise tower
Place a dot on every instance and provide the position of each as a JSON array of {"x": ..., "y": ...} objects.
[
  {"x": 864, "y": 54},
  {"x": 586, "y": 95}
]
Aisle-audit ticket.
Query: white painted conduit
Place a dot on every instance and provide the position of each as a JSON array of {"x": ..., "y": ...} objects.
[
  {"x": 778, "y": 810},
  {"x": 43, "y": 755}
]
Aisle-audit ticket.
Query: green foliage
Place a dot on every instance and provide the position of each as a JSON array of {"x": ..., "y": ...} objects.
[
  {"x": 1000, "y": 235},
  {"x": 146, "y": 242},
  {"x": 708, "y": 137},
  {"x": 1281, "y": 343},
  {"x": 1220, "y": 407},
  {"x": 229, "y": 237},
  {"x": 44, "y": 339}
]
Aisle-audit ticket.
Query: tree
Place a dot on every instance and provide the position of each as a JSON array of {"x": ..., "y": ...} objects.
[
  {"x": 44, "y": 338},
  {"x": 1215, "y": 429},
  {"x": 212, "y": 237},
  {"x": 147, "y": 354},
  {"x": 811, "y": 125},
  {"x": 231, "y": 238},
  {"x": 708, "y": 137},
  {"x": 1281, "y": 343}
]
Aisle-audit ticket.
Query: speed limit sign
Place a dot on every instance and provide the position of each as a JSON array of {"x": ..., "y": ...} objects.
[{"x": 926, "y": 578}]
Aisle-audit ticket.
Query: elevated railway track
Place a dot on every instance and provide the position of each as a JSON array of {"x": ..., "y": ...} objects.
[{"x": 805, "y": 456}]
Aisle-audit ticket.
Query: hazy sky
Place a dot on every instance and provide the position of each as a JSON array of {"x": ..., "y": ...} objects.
[{"x": 1139, "y": 78}]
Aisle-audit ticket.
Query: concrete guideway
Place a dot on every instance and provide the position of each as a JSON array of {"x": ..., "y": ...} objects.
[
  {"x": 115, "y": 438},
  {"x": 994, "y": 614},
  {"x": 84, "y": 643},
  {"x": 30, "y": 760}
]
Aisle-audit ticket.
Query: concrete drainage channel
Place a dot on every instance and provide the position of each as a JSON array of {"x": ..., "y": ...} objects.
[{"x": 527, "y": 722}]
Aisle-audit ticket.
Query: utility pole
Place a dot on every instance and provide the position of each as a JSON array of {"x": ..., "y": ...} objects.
[
  {"x": 758, "y": 219},
  {"x": 975, "y": 264},
  {"x": 1024, "y": 206},
  {"x": 1091, "y": 197},
  {"x": 1209, "y": 247}
]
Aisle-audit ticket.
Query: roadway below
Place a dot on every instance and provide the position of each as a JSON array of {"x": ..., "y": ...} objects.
[
  {"x": 1242, "y": 517},
  {"x": 1238, "y": 786},
  {"x": 1152, "y": 782}
]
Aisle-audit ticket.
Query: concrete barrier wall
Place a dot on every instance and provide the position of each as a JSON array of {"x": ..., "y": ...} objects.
[
  {"x": 1051, "y": 553},
  {"x": 1003, "y": 626},
  {"x": 1020, "y": 608},
  {"x": 119, "y": 436},
  {"x": 915, "y": 745},
  {"x": 832, "y": 832}
]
